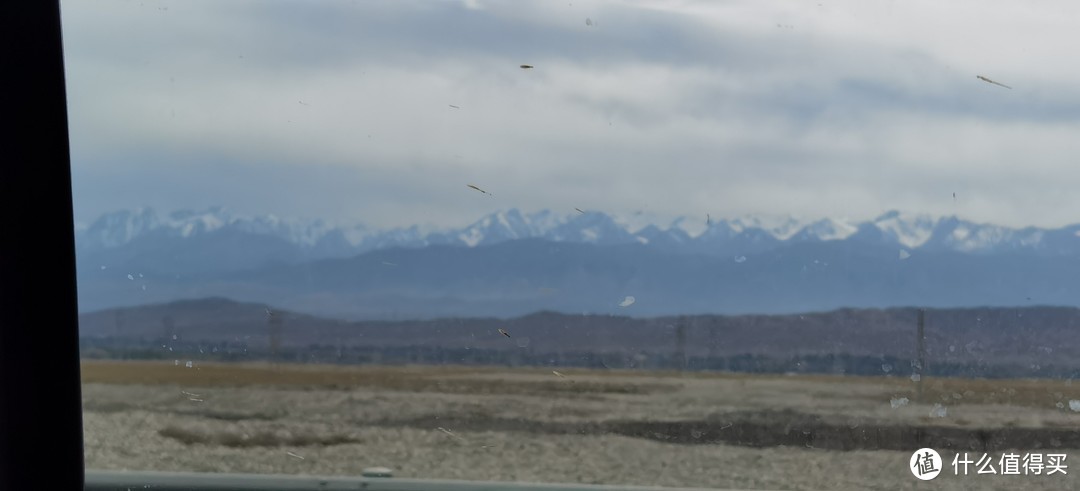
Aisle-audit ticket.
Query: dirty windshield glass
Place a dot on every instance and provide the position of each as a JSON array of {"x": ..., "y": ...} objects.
[{"x": 738, "y": 244}]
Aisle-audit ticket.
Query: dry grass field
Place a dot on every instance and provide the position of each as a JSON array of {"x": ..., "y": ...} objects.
[{"x": 528, "y": 424}]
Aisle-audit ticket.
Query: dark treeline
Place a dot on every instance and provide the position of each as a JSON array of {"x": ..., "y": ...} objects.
[{"x": 838, "y": 364}]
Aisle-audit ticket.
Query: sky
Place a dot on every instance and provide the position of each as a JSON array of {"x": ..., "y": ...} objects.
[{"x": 342, "y": 111}]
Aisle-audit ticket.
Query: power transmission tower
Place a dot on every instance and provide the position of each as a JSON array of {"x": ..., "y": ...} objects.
[{"x": 920, "y": 356}]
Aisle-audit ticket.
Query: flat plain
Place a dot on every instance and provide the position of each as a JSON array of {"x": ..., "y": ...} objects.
[{"x": 693, "y": 429}]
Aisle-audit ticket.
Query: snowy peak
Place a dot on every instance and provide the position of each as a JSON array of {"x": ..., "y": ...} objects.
[
  {"x": 781, "y": 228},
  {"x": 910, "y": 231},
  {"x": 591, "y": 227},
  {"x": 120, "y": 227},
  {"x": 698, "y": 234},
  {"x": 954, "y": 234},
  {"x": 188, "y": 223},
  {"x": 827, "y": 229},
  {"x": 696, "y": 227},
  {"x": 499, "y": 227}
]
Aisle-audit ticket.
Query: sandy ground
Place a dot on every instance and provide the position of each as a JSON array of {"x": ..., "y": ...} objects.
[{"x": 340, "y": 429}]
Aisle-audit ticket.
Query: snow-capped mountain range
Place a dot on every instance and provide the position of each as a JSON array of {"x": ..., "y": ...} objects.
[
  {"x": 318, "y": 239},
  {"x": 512, "y": 263}
]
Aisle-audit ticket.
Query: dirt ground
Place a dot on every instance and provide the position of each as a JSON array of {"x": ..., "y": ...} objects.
[{"x": 599, "y": 427}]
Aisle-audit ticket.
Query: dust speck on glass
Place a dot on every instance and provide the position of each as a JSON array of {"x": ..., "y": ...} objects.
[{"x": 462, "y": 240}]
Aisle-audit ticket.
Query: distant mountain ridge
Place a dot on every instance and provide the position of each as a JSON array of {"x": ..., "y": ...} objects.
[
  {"x": 511, "y": 264},
  {"x": 317, "y": 239},
  {"x": 1028, "y": 338}
]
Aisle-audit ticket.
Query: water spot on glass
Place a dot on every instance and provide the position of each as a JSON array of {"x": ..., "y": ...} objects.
[
  {"x": 898, "y": 402},
  {"x": 696, "y": 434},
  {"x": 1074, "y": 404},
  {"x": 588, "y": 21},
  {"x": 377, "y": 472},
  {"x": 952, "y": 348},
  {"x": 473, "y": 186},
  {"x": 740, "y": 259},
  {"x": 176, "y": 363},
  {"x": 144, "y": 288},
  {"x": 987, "y": 80},
  {"x": 938, "y": 411},
  {"x": 1059, "y": 405},
  {"x": 448, "y": 432},
  {"x": 103, "y": 267},
  {"x": 188, "y": 364},
  {"x": 956, "y": 395},
  {"x": 904, "y": 254},
  {"x": 295, "y": 456},
  {"x": 885, "y": 367},
  {"x": 140, "y": 275},
  {"x": 174, "y": 336},
  {"x": 523, "y": 342},
  {"x": 628, "y": 301},
  {"x": 131, "y": 277},
  {"x": 916, "y": 377}
]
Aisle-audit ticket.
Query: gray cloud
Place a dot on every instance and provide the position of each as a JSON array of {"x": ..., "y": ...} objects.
[{"x": 341, "y": 110}]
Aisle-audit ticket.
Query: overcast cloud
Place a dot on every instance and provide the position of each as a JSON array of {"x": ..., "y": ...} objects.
[{"x": 341, "y": 110}]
